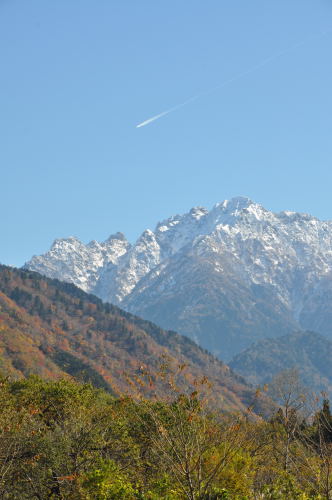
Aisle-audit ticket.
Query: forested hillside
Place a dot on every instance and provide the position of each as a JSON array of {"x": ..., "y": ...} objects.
[
  {"x": 56, "y": 330},
  {"x": 308, "y": 352}
]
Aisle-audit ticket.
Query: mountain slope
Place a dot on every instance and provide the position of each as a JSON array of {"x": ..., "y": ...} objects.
[
  {"x": 309, "y": 352},
  {"x": 55, "y": 329},
  {"x": 226, "y": 277}
]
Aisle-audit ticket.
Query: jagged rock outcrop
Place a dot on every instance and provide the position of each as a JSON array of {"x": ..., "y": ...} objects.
[{"x": 226, "y": 277}]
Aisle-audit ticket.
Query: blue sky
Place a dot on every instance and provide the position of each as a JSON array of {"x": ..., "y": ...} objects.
[{"x": 77, "y": 76}]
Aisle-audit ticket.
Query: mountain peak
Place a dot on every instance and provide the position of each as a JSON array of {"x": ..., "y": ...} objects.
[
  {"x": 70, "y": 240},
  {"x": 235, "y": 205},
  {"x": 116, "y": 236},
  {"x": 226, "y": 276},
  {"x": 198, "y": 212}
]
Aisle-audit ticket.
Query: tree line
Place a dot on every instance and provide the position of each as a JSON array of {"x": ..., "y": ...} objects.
[{"x": 66, "y": 440}]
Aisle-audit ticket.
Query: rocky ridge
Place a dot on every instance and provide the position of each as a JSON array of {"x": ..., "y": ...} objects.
[{"x": 225, "y": 277}]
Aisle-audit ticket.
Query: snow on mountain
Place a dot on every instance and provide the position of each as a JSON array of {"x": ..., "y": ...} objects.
[
  {"x": 70, "y": 260},
  {"x": 225, "y": 277}
]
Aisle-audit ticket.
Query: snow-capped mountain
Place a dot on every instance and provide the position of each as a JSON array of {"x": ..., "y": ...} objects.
[{"x": 225, "y": 277}]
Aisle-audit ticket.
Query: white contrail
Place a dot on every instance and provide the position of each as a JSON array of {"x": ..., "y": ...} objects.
[
  {"x": 156, "y": 117},
  {"x": 146, "y": 122},
  {"x": 254, "y": 68}
]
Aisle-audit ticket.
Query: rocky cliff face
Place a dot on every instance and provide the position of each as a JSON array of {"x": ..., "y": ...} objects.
[{"x": 226, "y": 277}]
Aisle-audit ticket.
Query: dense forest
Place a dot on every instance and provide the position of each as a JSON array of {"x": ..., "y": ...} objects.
[{"x": 66, "y": 440}]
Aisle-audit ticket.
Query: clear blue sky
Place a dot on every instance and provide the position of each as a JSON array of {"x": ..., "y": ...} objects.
[{"x": 76, "y": 76}]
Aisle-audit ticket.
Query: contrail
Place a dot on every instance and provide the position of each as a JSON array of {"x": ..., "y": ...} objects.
[
  {"x": 156, "y": 117},
  {"x": 250, "y": 70}
]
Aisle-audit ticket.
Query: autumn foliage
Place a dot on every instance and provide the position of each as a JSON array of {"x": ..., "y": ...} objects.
[{"x": 55, "y": 330}]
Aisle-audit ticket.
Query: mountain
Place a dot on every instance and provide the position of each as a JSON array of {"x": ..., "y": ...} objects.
[
  {"x": 54, "y": 329},
  {"x": 309, "y": 352},
  {"x": 226, "y": 277}
]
